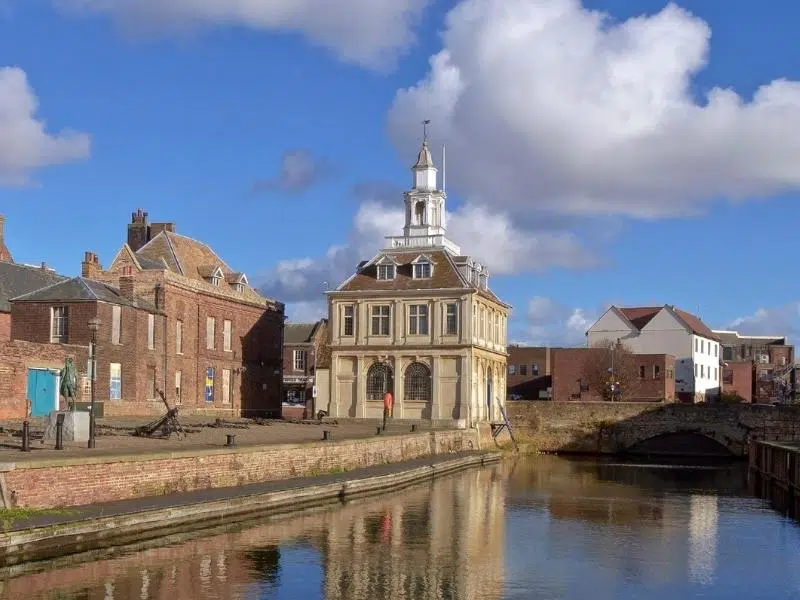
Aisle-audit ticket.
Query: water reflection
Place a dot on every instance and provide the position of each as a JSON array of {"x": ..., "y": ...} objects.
[{"x": 542, "y": 527}]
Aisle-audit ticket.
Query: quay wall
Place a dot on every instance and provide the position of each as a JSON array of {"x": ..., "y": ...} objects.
[{"x": 67, "y": 482}]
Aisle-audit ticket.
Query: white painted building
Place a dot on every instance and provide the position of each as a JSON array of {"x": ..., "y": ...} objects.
[{"x": 666, "y": 330}]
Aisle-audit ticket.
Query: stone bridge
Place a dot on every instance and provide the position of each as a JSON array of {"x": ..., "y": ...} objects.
[{"x": 650, "y": 428}]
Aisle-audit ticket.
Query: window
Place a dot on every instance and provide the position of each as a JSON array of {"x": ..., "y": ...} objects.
[
  {"x": 696, "y": 344},
  {"x": 422, "y": 270},
  {"x": 702, "y": 371},
  {"x": 474, "y": 322},
  {"x": 702, "y": 346},
  {"x": 716, "y": 374},
  {"x": 299, "y": 360},
  {"x": 523, "y": 370},
  {"x": 151, "y": 331},
  {"x": 716, "y": 350},
  {"x": 641, "y": 371},
  {"x": 152, "y": 391},
  {"x": 451, "y": 319},
  {"x": 349, "y": 325},
  {"x": 226, "y": 335},
  {"x": 115, "y": 381},
  {"x": 216, "y": 278},
  {"x": 669, "y": 374},
  {"x": 695, "y": 370},
  {"x": 496, "y": 329},
  {"x": 380, "y": 320},
  {"x": 418, "y": 319},
  {"x": 385, "y": 272},
  {"x": 489, "y": 327},
  {"x": 512, "y": 369},
  {"x": 417, "y": 383},
  {"x": 656, "y": 371},
  {"x": 178, "y": 387},
  {"x": 535, "y": 369},
  {"x": 727, "y": 353},
  {"x": 209, "y": 387},
  {"x": 483, "y": 324},
  {"x": 211, "y": 332},
  {"x": 116, "y": 323},
  {"x": 179, "y": 337},
  {"x": 58, "y": 324},
  {"x": 238, "y": 287},
  {"x": 226, "y": 386},
  {"x": 727, "y": 376},
  {"x": 379, "y": 381}
]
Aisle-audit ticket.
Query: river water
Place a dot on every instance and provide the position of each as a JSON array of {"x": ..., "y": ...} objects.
[{"x": 532, "y": 528}]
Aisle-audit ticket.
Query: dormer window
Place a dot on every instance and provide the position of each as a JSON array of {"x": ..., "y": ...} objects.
[
  {"x": 386, "y": 272},
  {"x": 215, "y": 280},
  {"x": 212, "y": 274},
  {"x": 237, "y": 281},
  {"x": 422, "y": 270}
]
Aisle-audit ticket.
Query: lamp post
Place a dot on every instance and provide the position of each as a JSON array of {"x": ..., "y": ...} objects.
[{"x": 94, "y": 326}]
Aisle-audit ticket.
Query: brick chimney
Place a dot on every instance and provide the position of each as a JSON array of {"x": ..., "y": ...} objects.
[
  {"x": 126, "y": 283},
  {"x": 156, "y": 228},
  {"x": 138, "y": 230},
  {"x": 5, "y": 255},
  {"x": 90, "y": 267}
]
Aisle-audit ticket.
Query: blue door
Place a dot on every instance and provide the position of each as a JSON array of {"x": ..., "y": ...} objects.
[{"x": 41, "y": 391}]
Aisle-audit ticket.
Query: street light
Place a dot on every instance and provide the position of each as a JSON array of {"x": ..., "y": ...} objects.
[{"x": 94, "y": 326}]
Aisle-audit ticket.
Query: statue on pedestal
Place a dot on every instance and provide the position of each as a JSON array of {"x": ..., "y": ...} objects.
[{"x": 69, "y": 383}]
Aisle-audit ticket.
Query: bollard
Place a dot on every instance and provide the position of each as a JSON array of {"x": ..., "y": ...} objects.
[
  {"x": 413, "y": 427},
  {"x": 60, "y": 431},
  {"x": 378, "y": 432},
  {"x": 231, "y": 440},
  {"x": 326, "y": 435},
  {"x": 26, "y": 440}
]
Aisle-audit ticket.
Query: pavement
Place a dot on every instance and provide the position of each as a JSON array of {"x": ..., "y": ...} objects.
[
  {"x": 115, "y": 436},
  {"x": 126, "y": 507}
]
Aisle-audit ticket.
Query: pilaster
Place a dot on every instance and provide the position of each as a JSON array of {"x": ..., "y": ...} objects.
[{"x": 436, "y": 381}]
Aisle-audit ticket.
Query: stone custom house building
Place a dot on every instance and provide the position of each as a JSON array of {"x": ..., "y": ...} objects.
[{"x": 420, "y": 321}]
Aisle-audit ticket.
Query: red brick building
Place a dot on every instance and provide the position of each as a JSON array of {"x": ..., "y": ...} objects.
[
  {"x": 758, "y": 368},
  {"x": 301, "y": 346},
  {"x": 174, "y": 318},
  {"x": 529, "y": 374}
]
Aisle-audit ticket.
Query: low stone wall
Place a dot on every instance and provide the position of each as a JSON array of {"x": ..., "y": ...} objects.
[
  {"x": 615, "y": 427},
  {"x": 72, "y": 482}
]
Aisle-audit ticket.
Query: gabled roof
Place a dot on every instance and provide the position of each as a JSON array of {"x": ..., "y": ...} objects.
[
  {"x": 639, "y": 316},
  {"x": 16, "y": 280},
  {"x": 80, "y": 289},
  {"x": 694, "y": 323},
  {"x": 300, "y": 333},
  {"x": 445, "y": 275}
]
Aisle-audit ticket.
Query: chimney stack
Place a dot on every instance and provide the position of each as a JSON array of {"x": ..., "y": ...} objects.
[
  {"x": 5, "y": 255},
  {"x": 90, "y": 267},
  {"x": 138, "y": 230},
  {"x": 126, "y": 288}
]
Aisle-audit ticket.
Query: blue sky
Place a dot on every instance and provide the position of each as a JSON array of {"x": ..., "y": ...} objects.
[{"x": 589, "y": 161}]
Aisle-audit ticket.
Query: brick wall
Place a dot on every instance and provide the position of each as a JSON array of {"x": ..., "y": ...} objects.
[
  {"x": 737, "y": 378},
  {"x": 568, "y": 369},
  {"x": 16, "y": 357},
  {"x": 5, "y": 326},
  {"x": 527, "y": 381},
  {"x": 48, "y": 484}
]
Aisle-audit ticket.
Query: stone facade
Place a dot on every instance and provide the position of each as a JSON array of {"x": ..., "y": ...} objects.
[{"x": 418, "y": 321}]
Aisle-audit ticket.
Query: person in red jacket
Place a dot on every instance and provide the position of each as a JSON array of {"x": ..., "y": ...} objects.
[{"x": 388, "y": 403}]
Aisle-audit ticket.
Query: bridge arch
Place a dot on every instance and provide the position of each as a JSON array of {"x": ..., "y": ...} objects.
[{"x": 683, "y": 443}]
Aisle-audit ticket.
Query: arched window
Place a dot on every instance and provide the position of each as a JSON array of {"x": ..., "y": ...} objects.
[
  {"x": 417, "y": 383},
  {"x": 379, "y": 381},
  {"x": 419, "y": 213}
]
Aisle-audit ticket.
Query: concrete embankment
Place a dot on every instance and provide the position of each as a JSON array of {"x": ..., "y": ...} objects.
[
  {"x": 92, "y": 527},
  {"x": 774, "y": 475}
]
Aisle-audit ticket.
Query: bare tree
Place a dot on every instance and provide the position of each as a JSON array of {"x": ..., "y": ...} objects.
[{"x": 610, "y": 371}]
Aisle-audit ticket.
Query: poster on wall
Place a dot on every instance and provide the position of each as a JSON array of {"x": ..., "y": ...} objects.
[{"x": 210, "y": 384}]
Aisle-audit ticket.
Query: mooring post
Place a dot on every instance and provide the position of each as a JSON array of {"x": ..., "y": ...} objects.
[
  {"x": 326, "y": 435},
  {"x": 26, "y": 440},
  {"x": 231, "y": 440},
  {"x": 60, "y": 431},
  {"x": 378, "y": 432},
  {"x": 413, "y": 427}
]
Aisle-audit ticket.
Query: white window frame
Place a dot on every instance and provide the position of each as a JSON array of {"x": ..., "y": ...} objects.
[
  {"x": 379, "y": 317},
  {"x": 348, "y": 319},
  {"x": 211, "y": 333},
  {"x": 227, "y": 333},
  {"x": 59, "y": 324},
  {"x": 112, "y": 367},
  {"x": 423, "y": 270},
  {"x": 151, "y": 331},
  {"x": 418, "y": 314},
  {"x": 386, "y": 272},
  {"x": 299, "y": 360},
  {"x": 116, "y": 324}
]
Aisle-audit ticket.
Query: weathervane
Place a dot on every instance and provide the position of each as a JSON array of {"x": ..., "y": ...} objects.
[{"x": 425, "y": 124}]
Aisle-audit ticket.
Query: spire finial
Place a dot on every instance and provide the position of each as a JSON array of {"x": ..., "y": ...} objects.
[{"x": 425, "y": 124}]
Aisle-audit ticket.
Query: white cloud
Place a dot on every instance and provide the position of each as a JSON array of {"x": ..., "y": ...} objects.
[
  {"x": 371, "y": 33},
  {"x": 779, "y": 321},
  {"x": 298, "y": 171},
  {"x": 25, "y": 145},
  {"x": 552, "y": 107},
  {"x": 548, "y": 323}
]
